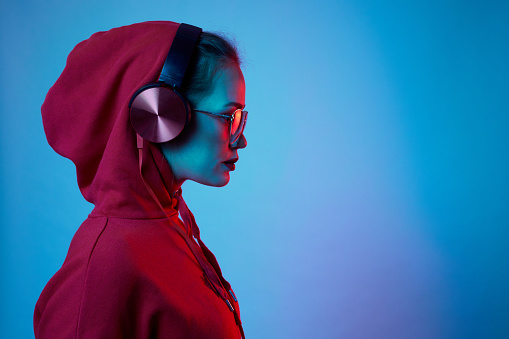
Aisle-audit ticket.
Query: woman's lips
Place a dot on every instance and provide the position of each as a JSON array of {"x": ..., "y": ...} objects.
[{"x": 230, "y": 165}]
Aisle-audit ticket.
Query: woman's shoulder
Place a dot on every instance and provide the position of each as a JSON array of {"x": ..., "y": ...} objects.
[
  {"x": 118, "y": 275},
  {"x": 126, "y": 278},
  {"x": 118, "y": 250}
]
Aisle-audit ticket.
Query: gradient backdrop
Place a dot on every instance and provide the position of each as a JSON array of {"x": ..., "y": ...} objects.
[{"x": 372, "y": 200}]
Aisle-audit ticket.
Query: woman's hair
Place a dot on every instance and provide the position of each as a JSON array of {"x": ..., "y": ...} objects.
[{"x": 212, "y": 53}]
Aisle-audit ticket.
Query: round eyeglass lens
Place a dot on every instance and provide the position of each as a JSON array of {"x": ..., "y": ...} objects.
[
  {"x": 237, "y": 116},
  {"x": 238, "y": 124}
]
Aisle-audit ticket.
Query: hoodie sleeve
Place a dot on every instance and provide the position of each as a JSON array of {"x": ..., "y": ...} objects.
[
  {"x": 120, "y": 301},
  {"x": 131, "y": 279}
]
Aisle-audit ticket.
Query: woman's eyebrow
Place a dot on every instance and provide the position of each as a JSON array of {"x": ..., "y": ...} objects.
[{"x": 234, "y": 104}]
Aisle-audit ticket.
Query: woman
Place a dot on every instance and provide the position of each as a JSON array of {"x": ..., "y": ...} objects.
[{"x": 134, "y": 269}]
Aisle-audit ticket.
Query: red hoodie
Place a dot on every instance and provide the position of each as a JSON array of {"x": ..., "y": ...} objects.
[{"x": 132, "y": 269}]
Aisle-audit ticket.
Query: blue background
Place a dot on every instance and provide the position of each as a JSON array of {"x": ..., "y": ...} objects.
[{"x": 372, "y": 200}]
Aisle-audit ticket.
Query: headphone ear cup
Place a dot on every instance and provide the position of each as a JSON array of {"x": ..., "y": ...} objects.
[{"x": 159, "y": 114}]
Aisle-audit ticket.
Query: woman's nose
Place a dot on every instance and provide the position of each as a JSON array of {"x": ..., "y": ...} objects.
[{"x": 241, "y": 142}]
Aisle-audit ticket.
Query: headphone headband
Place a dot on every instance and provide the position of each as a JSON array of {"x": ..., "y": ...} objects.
[
  {"x": 180, "y": 53},
  {"x": 158, "y": 111}
]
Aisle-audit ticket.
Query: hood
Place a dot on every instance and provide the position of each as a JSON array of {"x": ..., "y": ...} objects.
[{"x": 86, "y": 119}]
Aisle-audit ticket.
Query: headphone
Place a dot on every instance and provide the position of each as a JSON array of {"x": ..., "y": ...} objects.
[{"x": 158, "y": 111}]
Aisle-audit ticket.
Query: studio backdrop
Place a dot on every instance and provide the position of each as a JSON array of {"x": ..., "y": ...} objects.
[{"x": 372, "y": 198}]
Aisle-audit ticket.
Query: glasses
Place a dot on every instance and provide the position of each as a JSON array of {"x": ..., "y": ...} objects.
[{"x": 237, "y": 122}]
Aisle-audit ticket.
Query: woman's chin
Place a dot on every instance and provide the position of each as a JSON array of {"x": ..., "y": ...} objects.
[
  {"x": 224, "y": 181},
  {"x": 215, "y": 182}
]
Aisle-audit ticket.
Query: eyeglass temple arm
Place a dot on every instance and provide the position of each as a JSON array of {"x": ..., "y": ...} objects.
[{"x": 216, "y": 114}]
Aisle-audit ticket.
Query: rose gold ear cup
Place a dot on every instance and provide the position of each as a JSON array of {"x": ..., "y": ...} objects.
[{"x": 158, "y": 114}]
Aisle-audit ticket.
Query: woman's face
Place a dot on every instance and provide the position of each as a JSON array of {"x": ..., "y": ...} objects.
[{"x": 200, "y": 151}]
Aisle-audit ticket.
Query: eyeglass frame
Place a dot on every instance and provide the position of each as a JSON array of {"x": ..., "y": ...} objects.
[{"x": 230, "y": 118}]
